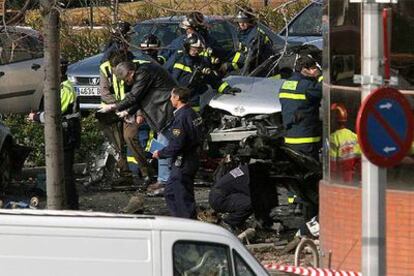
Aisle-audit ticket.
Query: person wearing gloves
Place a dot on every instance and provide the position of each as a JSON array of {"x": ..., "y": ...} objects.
[
  {"x": 71, "y": 129},
  {"x": 195, "y": 71},
  {"x": 150, "y": 93}
]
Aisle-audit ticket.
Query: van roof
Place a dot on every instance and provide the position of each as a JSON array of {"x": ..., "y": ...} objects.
[{"x": 53, "y": 218}]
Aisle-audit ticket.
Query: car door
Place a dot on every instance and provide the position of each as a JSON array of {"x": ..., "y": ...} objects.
[
  {"x": 22, "y": 73},
  {"x": 4, "y": 54}
]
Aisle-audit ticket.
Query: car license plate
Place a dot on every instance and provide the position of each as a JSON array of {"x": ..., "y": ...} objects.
[{"x": 88, "y": 91}]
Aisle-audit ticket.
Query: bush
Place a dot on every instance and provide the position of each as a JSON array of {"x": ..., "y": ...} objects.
[{"x": 32, "y": 135}]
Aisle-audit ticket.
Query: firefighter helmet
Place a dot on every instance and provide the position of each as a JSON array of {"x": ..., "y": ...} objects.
[
  {"x": 194, "y": 20},
  {"x": 308, "y": 56},
  {"x": 244, "y": 15},
  {"x": 194, "y": 40},
  {"x": 341, "y": 112},
  {"x": 150, "y": 42},
  {"x": 121, "y": 28}
]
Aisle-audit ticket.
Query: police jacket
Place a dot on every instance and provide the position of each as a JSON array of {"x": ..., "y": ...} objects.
[
  {"x": 185, "y": 133},
  {"x": 70, "y": 114},
  {"x": 151, "y": 94},
  {"x": 235, "y": 181},
  {"x": 195, "y": 73},
  {"x": 300, "y": 98},
  {"x": 254, "y": 48}
]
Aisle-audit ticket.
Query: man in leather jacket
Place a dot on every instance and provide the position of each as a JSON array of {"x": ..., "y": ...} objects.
[{"x": 150, "y": 93}]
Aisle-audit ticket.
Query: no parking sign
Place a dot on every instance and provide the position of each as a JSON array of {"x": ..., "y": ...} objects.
[{"x": 385, "y": 127}]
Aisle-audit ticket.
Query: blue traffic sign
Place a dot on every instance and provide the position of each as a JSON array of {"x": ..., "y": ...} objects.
[{"x": 385, "y": 127}]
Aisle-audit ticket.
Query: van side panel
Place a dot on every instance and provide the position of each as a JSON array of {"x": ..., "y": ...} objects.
[{"x": 75, "y": 251}]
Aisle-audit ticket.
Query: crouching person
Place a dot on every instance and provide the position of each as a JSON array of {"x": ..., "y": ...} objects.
[
  {"x": 244, "y": 191},
  {"x": 71, "y": 129},
  {"x": 185, "y": 139}
]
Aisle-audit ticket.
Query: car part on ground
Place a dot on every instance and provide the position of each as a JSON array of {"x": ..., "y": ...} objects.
[{"x": 12, "y": 157}]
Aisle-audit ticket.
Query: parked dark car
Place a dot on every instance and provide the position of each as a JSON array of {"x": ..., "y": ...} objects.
[
  {"x": 306, "y": 26},
  {"x": 84, "y": 74}
]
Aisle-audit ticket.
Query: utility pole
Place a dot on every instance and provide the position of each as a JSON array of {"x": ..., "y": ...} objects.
[{"x": 51, "y": 91}]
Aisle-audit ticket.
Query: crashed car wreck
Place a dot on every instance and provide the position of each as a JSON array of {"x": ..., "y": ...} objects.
[{"x": 12, "y": 157}]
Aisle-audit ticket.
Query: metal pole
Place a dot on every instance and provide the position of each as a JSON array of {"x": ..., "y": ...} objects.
[{"x": 373, "y": 177}]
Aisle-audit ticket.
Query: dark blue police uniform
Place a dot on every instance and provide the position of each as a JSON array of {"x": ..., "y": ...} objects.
[
  {"x": 231, "y": 194},
  {"x": 300, "y": 97},
  {"x": 183, "y": 149}
]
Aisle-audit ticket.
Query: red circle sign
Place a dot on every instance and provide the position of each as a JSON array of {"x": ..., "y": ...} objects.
[{"x": 385, "y": 127}]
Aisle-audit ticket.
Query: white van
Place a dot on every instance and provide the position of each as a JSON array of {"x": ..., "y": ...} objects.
[{"x": 63, "y": 243}]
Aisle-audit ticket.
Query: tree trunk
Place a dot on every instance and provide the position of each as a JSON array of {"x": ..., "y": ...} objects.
[{"x": 51, "y": 91}]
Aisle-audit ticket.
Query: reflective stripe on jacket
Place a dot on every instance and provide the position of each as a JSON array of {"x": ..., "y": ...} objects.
[
  {"x": 68, "y": 100},
  {"x": 118, "y": 86},
  {"x": 300, "y": 98}
]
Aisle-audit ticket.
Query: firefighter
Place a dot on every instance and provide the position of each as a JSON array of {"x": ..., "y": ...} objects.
[
  {"x": 119, "y": 39},
  {"x": 70, "y": 116},
  {"x": 254, "y": 45},
  {"x": 300, "y": 97},
  {"x": 149, "y": 46},
  {"x": 243, "y": 191},
  {"x": 194, "y": 23},
  {"x": 344, "y": 151},
  {"x": 150, "y": 93},
  {"x": 183, "y": 149},
  {"x": 120, "y": 132},
  {"x": 194, "y": 71}
]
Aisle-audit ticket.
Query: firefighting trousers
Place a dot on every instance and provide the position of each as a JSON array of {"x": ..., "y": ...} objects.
[
  {"x": 113, "y": 132},
  {"x": 132, "y": 140}
]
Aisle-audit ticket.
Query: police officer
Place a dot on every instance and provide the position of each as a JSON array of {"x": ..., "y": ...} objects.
[
  {"x": 243, "y": 191},
  {"x": 71, "y": 134},
  {"x": 112, "y": 91},
  {"x": 183, "y": 149},
  {"x": 149, "y": 46},
  {"x": 231, "y": 194},
  {"x": 254, "y": 45},
  {"x": 119, "y": 39},
  {"x": 300, "y": 97},
  {"x": 194, "y": 23},
  {"x": 195, "y": 71}
]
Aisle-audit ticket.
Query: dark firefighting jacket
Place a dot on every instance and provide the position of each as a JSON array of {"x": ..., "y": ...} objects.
[{"x": 300, "y": 98}]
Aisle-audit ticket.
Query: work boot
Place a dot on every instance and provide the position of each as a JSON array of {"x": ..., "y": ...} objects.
[
  {"x": 155, "y": 186},
  {"x": 156, "y": 192},
  {"x": 135, "y": 204}
]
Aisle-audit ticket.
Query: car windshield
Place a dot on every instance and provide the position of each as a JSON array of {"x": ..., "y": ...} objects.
[
  {"x": 308, "y": 23},
  {"x": 166, "y": 32}
]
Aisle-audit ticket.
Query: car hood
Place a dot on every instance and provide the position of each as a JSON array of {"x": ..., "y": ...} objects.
[
  {"x": 86, "y": 67},
  {"x": 258, "y": 96}
]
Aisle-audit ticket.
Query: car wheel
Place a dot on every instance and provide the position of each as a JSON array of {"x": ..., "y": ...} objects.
[{"x": 5, "y": 168}]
